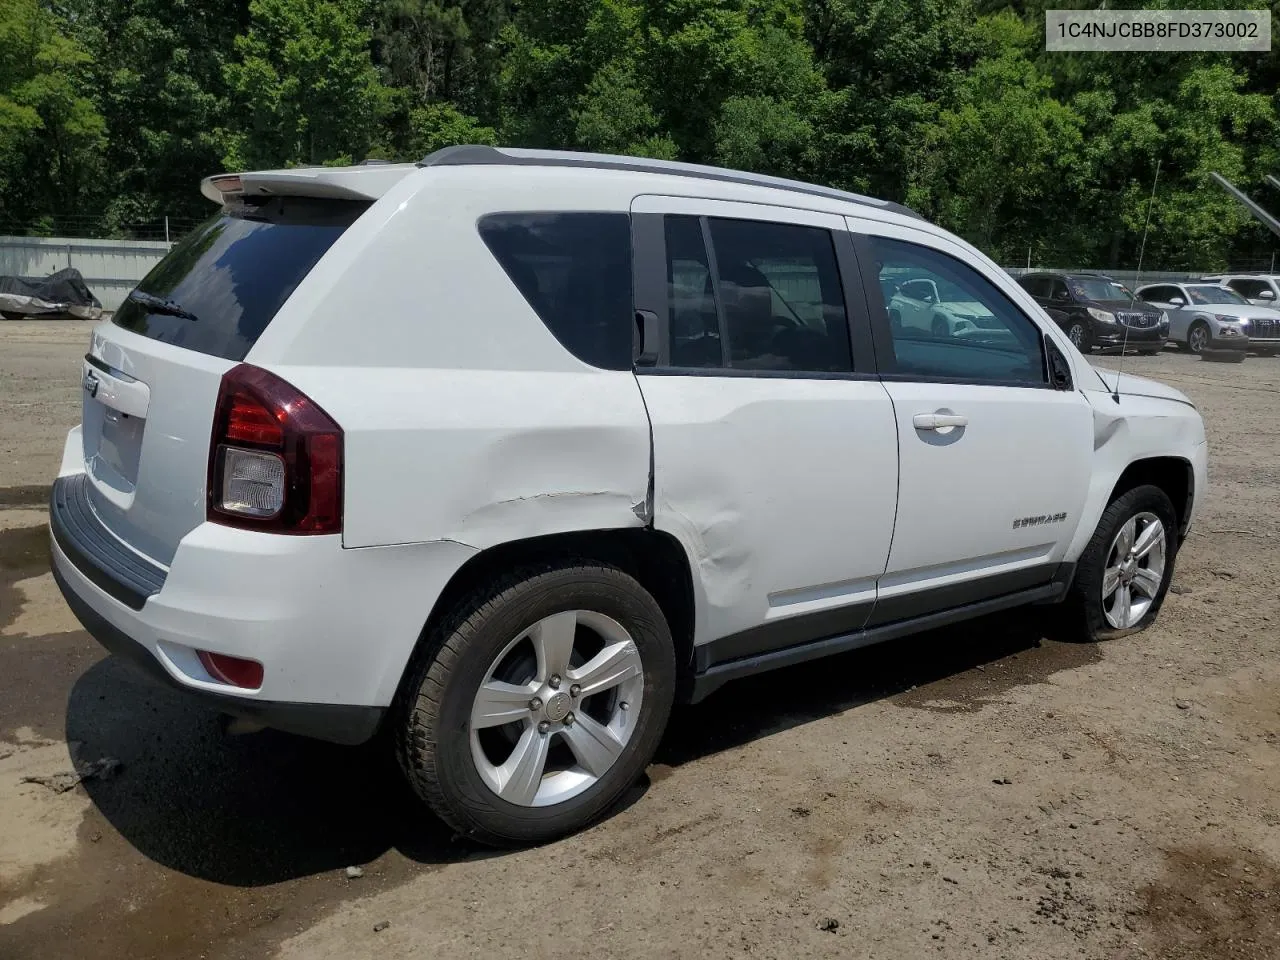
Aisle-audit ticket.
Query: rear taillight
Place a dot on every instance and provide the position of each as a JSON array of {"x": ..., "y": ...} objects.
[{"x": 275, "y": 460}]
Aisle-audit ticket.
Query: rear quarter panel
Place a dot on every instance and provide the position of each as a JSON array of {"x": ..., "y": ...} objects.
[{"x": 464, "y": 418}]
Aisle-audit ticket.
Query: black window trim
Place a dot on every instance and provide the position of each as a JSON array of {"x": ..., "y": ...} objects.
[
  {"x": 886, "y": 359},
  {"x": 649, "y": 265},
  {"x": 713, "y": 268}
]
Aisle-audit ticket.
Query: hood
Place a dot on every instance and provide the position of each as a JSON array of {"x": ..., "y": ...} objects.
[
  {"x": 1125, "y": 306},
  {"x": 1249, "y": 312},
  {"x": 1135, "y": 386},
  {"x": 966, "y": 308}
]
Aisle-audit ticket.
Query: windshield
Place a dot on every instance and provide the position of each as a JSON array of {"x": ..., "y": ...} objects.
[
  {"x": 1208, "y": 293},
  {"x": 1095, "y": 288}
]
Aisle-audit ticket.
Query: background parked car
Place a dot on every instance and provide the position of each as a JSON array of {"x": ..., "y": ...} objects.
[
  {"x": 1094, "y": 311},
  {"x": 1260, "y": 289},
  {"x": 1205, "y": 316},
  {"x": 934, "y": 306}
]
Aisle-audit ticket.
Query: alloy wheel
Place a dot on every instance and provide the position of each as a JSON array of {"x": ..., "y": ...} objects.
[
  {"x": 557, "y": 708},
  {"x": 1134, "y": 570}
]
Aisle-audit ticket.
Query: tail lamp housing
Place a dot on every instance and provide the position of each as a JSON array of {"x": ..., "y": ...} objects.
[{"x": 275, "y": 457}]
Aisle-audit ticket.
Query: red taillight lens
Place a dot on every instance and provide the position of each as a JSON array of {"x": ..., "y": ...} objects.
[
  {"x": 275, "y": 458},
  {"x": 238, "y": 672}
]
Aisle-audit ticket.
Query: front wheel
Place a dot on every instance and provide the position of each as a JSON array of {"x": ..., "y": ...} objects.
[
  {"x": 941, "y": 328},
  {"x": 538, "y": 704},
  {"x": 1078, "y": 334},
  {"x": 1124, "y": 573},
  {"x": 1198, "y": 337}
]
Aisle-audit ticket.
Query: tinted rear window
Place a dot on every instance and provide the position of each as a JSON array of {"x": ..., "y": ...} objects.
[
  {"x": 575, "y": 271},
  {"x": 235, "y": 271}
]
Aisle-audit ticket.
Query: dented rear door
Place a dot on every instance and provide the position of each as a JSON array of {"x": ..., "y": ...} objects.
[{"x": 775, "y": 460}]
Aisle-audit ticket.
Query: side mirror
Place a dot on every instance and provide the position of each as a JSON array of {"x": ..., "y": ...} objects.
[
  {"x": 1266, "y": 295},
  {"x": 1177, "y": 302},
  {"x": 1059, "y": 369}
]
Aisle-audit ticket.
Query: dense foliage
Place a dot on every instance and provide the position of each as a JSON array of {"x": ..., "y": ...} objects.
[{"x": 112, "y": 110}]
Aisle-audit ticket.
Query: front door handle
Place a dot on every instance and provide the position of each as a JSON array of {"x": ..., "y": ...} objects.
[{"x": 939, "y": 421}]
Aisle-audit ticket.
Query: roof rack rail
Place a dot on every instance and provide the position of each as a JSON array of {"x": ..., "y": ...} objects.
[{"x": 475, "y": 155}]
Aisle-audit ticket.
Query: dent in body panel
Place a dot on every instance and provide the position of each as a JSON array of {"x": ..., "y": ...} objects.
[
  {"x": 1136, "y": 428},
  {"x": 546, "y": 480}
]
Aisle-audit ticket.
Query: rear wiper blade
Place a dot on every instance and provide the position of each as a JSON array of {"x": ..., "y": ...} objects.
[{"x": 161, "y": 305}]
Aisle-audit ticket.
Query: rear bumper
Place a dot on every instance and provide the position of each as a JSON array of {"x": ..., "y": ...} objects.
[
  {"x": 337, "y": 723},
  {"x": 334, "y": 628}
]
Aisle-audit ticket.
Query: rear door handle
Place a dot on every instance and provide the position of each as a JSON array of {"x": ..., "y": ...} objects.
[{"x": 939, "y": 421}]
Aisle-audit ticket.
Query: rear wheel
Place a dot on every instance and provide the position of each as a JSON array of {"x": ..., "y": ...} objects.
[
  {"x": 538, "y": 704},
  {"x": 1124, "y": 573}
]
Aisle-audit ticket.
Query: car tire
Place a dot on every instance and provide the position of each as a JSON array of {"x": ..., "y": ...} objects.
[
  {"x": 1198, "y": 337},
  {"x": 1091, "y": 613},
  {"x": 940, "y": 327},
  {"x": 492, "y": 631},
  {"x": 1078, "y": 333},
  {"x": 895, "y": 321}
]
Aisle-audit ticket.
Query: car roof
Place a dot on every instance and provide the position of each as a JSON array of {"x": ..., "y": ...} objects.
[{"x": 473, "y": 155}]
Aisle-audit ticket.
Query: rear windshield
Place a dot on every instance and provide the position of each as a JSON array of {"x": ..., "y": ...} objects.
[{"x": 225, "y": 281}]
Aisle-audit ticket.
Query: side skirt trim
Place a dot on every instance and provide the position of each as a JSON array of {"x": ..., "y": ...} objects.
[{"x": 710, "y": 677}]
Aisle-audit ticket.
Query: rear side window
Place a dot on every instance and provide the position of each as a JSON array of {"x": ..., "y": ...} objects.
[
  {"x": 220, "y": 287},
  {"x": 1249, "y": 288},
  {"x": 770, "y": 299},
  {"x": 575, "y": 271},
  {"x": 1036, "y": 286}
]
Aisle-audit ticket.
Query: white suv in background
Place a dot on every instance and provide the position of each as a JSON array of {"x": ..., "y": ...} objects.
[
  {"x": 509, "y": 450},
  {"x": 1260, "y": 289}
]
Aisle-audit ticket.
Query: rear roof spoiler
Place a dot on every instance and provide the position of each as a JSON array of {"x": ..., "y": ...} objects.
[{"x": 364, "y": 182}]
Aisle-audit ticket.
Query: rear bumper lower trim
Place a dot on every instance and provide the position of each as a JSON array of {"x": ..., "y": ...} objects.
[
  {"x": 107, "y": 563},
  {"x": 336, "y": 723}
]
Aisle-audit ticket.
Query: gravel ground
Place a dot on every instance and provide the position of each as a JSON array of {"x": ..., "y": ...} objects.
[{"x": 977, "y": 793}]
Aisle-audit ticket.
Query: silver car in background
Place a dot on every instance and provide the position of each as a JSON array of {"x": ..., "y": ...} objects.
[{"x": 1205, "y": 316}]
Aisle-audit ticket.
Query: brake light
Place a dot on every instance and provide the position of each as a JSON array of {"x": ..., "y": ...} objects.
[{"x": 275, "y": 458}]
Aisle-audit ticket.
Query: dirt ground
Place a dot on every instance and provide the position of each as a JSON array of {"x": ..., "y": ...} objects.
[{"x": 975, "y": 793}]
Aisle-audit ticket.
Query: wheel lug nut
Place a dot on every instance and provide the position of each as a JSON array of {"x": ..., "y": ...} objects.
[
  {"x": 624, "y": 705},
  {"x": 535, "y": 704},
  {"x": 568, "y": 720},
  {"x": 575, "y": 690},
  {"x": 554, "y": 682},
  {"x": 543, "y": 727}
]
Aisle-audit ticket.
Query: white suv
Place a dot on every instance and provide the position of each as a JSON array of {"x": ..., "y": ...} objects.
[{"x": 506, "y": 451}]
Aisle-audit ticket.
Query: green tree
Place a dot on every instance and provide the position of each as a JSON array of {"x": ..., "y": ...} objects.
[
  {"x": 892, "y": 65},
  {"x": 159, "y": 83},
  {"x": 1002, "y": 151},
  {"x": 51, "y": 134},
  {"x": 304, "y": 89}
]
